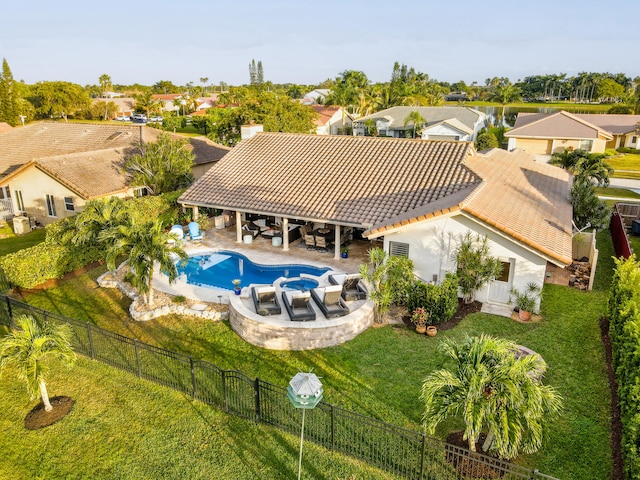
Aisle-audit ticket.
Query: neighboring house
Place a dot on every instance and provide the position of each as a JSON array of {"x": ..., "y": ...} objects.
[
  {"x": 169, "y": 102},
  {"x": 545, "y": 134},
  {"x": 50, "y": 170},
  {"x": 331, "y": 120},
  {"x": 315, "y": 96},
  {"x": 204, "y": 103},
  {"x": 125, "y": 105},
  {"x": 441, "y": 123},
  {"x": 415, "y": 196}
]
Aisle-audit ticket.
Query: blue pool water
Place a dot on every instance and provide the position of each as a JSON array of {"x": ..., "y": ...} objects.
[
  {"x": 303, "y": 284},
  {"x": 216, "y": 270}
]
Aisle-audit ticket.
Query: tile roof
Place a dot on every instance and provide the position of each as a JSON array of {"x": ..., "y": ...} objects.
[
  {"x": 526, "y": 199},
  {"x": 340, "y": 179},
  {"x": 616, "y": 124},
  {"x": 5, "y": 127},
  {"x": 467, "y": 116},
  {"x": 325, "y": 113},
  {"x": 91, "y": 175},
  {"x": 46, "y": 139},
  {"x": 560, "y": 124}
]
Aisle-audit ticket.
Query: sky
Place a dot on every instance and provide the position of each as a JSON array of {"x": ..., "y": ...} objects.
[{"x": 145, "y": 41}]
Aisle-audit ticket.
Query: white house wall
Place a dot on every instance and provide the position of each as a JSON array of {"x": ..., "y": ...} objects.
[
  {"x": 445, "y": 130},
  {"x": 432, "y": 245}
]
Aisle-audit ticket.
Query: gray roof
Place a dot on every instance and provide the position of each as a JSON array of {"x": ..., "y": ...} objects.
[
  {"x": 555, "y": 125},
  {"x": 467, "y": 116}
]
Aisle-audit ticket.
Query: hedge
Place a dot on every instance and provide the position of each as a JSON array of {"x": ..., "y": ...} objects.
[
  {"x": 35, "y": 265},
  {"x": 57, "y": 256},
  {"x": 441, "y": 301},
  {"x": 623, "y": 311}
]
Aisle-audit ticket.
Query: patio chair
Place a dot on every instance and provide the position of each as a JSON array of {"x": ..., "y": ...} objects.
[
  {"x": 351, "y": 287},
  {"x": 298, "y": 306},
  {"x": 322, "y": 243},
  {"x": 330, "y": 301},
  {"x": 178, "y": 234},
  {"x": 194, "y": 232},
  {"x": 309, "y": 238},
  {"x": 265, "y": 300},
  {"x": 251, "y": 228}
]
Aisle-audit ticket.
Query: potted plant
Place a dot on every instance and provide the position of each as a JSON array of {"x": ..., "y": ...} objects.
[
  {"x": 526, "y": 300},
  {"x": 420, "y": 318},
  {"x": 236, "y": 285},
  {"x": 344, "y": 252}
]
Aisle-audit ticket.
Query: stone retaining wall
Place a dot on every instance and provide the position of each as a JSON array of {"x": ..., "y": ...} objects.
[{"x": 277, "y": 333}]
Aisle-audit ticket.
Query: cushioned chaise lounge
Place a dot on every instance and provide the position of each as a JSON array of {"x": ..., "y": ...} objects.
[
  {"x": 330, "y": 301},
  {"x": 265, "y": 300},
  {"x": 351, "y": 287},
  {"x": 298, "y": 306}
]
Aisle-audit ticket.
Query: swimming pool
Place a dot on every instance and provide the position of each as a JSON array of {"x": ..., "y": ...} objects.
[
  {"x": 217, "y": 270},
  {"x": 303, "y": 284}
]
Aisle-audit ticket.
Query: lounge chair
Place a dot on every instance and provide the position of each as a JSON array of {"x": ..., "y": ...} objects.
[
  {"x": 265, "y": 300},
  {"x": 330, "y": 301},
  {"x": 178, "y": 234},
  {"x": 194, "y": 231},
  {"x": 298, "y": 306},
  {"x": 254, "y": 230},
  {"x": 351, "y": 287}
]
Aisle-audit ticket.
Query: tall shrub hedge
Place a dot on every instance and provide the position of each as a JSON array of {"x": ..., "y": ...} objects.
[
  {"x": 441, "y": 301},
  {"x": 623, "y": 311}
]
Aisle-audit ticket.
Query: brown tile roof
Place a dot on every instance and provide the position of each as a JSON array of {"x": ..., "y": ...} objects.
[
  {"x": 525, "y": 199},
  {"x": 616, "y": 124},
  {"x": 5, "y": 127},
  {"x": 556, "y": 125},
  {"x": 518, "y": 196},
  {"x": 340, "y": 179},
  {"x": 46, "y": 139}
]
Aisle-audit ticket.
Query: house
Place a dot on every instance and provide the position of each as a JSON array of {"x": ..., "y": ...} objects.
[
  {"x": 331, "y": 120},
  {"x": 50, "y": 170},
  {"x": 316, "y": 96},
  {"x": 545, "y": 134},
  {"x": 125, "y": 105},
  {"x": 441, "y": 123},
  {"x": 411, "y": 197}
]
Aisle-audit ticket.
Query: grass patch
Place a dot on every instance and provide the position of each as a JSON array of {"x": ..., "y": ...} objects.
[
  {"x": 125, "y": 428},
  {"x": 379, "y": 374},
  {"x": 625, "y": 161},
  {"x": 617, "y": 192},
  {"x": 10, "y": 242}
]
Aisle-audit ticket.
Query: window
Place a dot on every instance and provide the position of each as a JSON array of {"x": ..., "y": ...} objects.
[
  {"x": 19, "y": 201},
  {"x": 69, "y": 205},
  {"x": 51, "y": 206},
  {"x": 506, "y": 271},
  {"x": 5, "y": 193},
  {"x": 398, "y": 249},
  {"x": 586, "y": 145},
  {"x": 634, "y": 140}
]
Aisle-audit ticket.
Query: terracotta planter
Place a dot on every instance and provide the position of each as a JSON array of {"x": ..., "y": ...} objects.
[
  {"x": 432, "y": 330},
  {"x": 524, "y": 315},
  {"x": 421, "y": 329}
]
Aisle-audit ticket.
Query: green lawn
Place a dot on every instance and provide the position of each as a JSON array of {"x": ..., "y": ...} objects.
[
  {"x": 10, "y": 242},
  {"x": 376, "y": 374},
  {"x": 617, "y": 192}
]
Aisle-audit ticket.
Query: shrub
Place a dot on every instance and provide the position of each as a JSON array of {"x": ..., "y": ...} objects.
[
  {"x": 485, "y": 141},
  {"x": 626, "y": 150},
  {"x": 624, "y": 329},
  {"x": 439, "y": 301},
  {"x": 179, "y": 299}
]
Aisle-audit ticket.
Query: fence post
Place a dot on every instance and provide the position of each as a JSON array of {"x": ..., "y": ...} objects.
[
  {"x": 193, "y": 378},
  {"x": 422, "y": 455},
  {"x": 256, "y": 388},
  {"x": 90, "y": 335},
  {"x": 135, "y": 346},
  {"x": 333, "y": 428},
  {"x": 224, "y": 390}
]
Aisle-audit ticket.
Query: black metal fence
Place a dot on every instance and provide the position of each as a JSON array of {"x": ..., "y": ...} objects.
[{"x": 404, "y": 452}]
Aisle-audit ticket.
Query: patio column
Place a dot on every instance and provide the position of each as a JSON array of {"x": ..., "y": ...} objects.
[
  {"x": 238, "y": 226},
  {"x": 285, "y": 234},
  {"x": 336, "y": 241},
  {"x": 195, "y": 213}
]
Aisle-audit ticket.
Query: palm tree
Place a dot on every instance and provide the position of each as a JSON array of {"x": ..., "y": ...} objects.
[
  {"x": 582, "y": 164},
  {"x": 99, "y": 215},
  {"x": 145, "y": 102},
  {"x": 375, "y": 274},
  {"x": 30, "y": 347},
  {"x": 144, "y": 244},
  {"x": 492, "y": 390},
  {"x": 416, "y": 119}
]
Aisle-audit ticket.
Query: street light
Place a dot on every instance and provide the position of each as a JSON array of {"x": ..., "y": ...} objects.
[{"x": 305, "y": 392}]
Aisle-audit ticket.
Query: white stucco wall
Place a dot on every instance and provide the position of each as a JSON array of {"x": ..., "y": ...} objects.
[
  {"x": 445, "y": 130},
  {"x": 432, "y": 245},
  {"x": 35, "y": 185}
]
